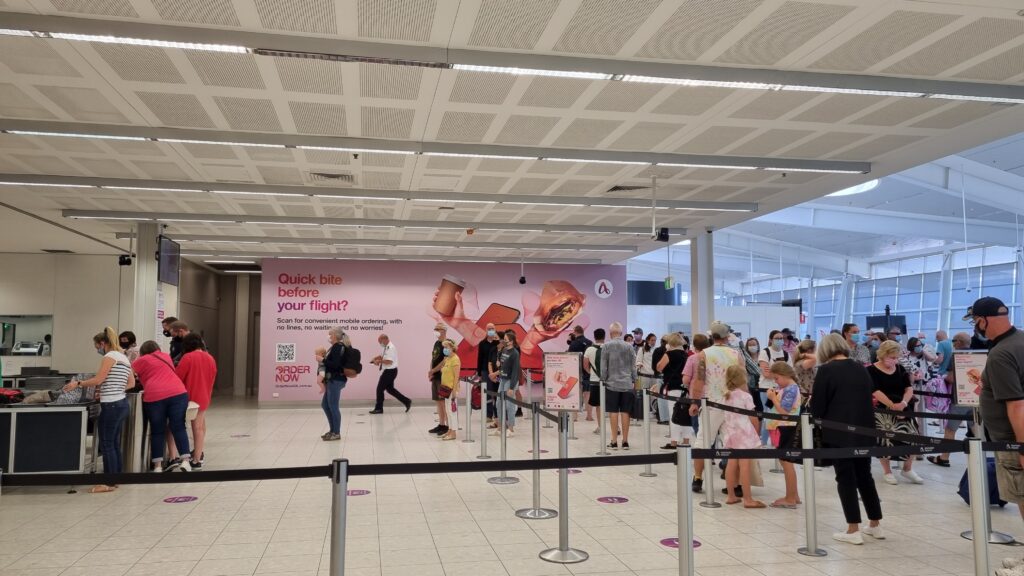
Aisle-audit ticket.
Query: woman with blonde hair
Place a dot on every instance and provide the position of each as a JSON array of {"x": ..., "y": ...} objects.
[
  {"x": 805, "y": 364},
  {"x": 114, "y": 378},
  {"x": 893, "y": 391},
  {"x": 450, "y": 378},
  {"x": 671, "y": 366}
]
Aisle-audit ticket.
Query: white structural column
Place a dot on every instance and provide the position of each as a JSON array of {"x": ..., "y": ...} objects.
[
  {"x": 144, "y": 309},
  {"x": 844, "y": 305},
  {"x": 945, "y": 291},
  {"x": 241, "y": 335},
  {"x": 702, "y": 282},
  {"x": 1020, "y": 287}
]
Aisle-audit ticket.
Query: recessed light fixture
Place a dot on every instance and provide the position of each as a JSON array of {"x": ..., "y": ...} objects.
[
  {"x": 242, "y": 272},
  {"x": 241, "y": 262},
  {"x": 45, "y": 184},
  {"x": 356, "y": 150},
  {"x": 145, "y": 189},
  {"x": 533, "y": 72},
  {"x": 73, "y": 135}
]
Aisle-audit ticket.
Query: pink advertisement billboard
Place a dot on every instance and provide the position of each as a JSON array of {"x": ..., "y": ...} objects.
[{"x": 302, "y": 299}]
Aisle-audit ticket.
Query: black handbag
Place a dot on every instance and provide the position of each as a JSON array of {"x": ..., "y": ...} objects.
[
  {"x": 816, "y": 442},
  {"x": 681, "y": 414}
]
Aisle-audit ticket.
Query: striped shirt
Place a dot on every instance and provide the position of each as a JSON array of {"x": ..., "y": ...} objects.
[{"x": 113, "y": 388}]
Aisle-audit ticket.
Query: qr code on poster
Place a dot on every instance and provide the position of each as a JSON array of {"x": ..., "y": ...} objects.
[{"x": 286, "y": 352}]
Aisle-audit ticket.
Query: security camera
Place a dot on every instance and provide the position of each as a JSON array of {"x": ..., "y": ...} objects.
[
  {"x": 522, "y": 279},
  {"x": 124, "y": 260},
  {"x": 355, "y": 156}
]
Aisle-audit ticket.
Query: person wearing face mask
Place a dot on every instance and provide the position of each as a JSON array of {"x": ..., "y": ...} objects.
[
  {"x": 130, "y": 345},
  {"x": 484, "y": 351},
  {"x": 893, "y": 391},
  {"x": 114, "y": 377},
  {"x": 874, "y": 340},
  {"x": 434, "y": 376},
  {"x": 961, "y": 341},
  {"x": 507, "y": 375},
  {"x": 644, "y": 362},
  {"x": 855, "y": 340},
  {"x": 387, "y": 363},
  {"x": 663, "y": 411},
  {"x": 450, "y": 369},
  {"x": 751, "y": 350},
  {"x": 775, "y": 352},
  {"x": 1002, "y": 394}
]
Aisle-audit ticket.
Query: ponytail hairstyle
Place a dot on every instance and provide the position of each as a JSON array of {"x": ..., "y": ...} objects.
[
  {"x": 108, "y": 337},
  {"x": 735, "y": 379}
]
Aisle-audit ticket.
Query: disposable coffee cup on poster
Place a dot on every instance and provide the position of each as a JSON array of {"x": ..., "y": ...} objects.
[{"x": 445, "y": 302}]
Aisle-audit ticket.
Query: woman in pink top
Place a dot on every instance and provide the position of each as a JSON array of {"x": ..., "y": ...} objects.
[
  {"x": 164, "y": 402},
  {"x": 198, "y": 370}
]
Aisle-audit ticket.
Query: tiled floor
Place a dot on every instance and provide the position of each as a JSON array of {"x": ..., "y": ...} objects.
[{"x": 456, "y": 525}]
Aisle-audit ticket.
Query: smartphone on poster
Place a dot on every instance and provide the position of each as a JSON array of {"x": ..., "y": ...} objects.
[{"x": 567, "y": 388}]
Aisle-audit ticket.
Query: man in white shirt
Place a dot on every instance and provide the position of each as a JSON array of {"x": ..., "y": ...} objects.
[{"x": 387, "y": 363}]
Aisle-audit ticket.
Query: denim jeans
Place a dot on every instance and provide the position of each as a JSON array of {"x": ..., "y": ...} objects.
[
  {"x": 505, "y": 385},
  {"x": 332, "y": 404},
  {"x": 111, "y": 422},
  {"x": 164, "y": 414}
]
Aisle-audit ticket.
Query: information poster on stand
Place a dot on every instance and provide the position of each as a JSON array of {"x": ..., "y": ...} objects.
[
  {"x": 562, "y": 390},
  {"x": 969, "y": 367}
]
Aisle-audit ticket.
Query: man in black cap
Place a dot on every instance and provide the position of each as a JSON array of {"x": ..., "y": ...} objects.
[{"x": 1002, "y": 391}]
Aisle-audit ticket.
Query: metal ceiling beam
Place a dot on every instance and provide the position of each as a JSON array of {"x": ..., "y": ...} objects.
[
  {"x": 380, "y": 256},
  {"x": 984, "y": 184},
  {"x": 769, "y": 248},
  {"x": 381, "y": 194},
  {"x": 887, "y": 223},
  {"x": 352, "y": 222},
  {"x": 724, "y": 262},
  {"x": 276, "y": 240},
  {"x": 368, "y": 145},
  {"x": 420, "y": 54}
]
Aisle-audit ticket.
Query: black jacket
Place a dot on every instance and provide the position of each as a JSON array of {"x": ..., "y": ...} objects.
[
  {"x": 842, "y": 393},
  {"x": 334, "y": 362}
]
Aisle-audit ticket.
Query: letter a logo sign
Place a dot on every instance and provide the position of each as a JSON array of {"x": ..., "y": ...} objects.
[{"x": 603, "y": 288}]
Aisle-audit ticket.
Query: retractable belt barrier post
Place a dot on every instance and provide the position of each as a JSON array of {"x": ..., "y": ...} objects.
[
  {"x": 709, "y": 474},
  {"x": 503, "y": 478},
  {"x": 536, "y": 512},
  {"x": 977, "y": 476},
  {"x": 339, "y": 497},
  {"x": 469, "y": 413},
  {"x": 484, "y": 393},
  {"x": 563, "y": 554},
  {"x": 994, "y": 537},
  {"x": 572, "y": 429},
  {"x": 684, "y": 508},
  {"x": 810, "y": 506},
  {"x": 647, "y": 473},
  {"x": 528, "y": 379},
  {"x": 602, "y": 422}
]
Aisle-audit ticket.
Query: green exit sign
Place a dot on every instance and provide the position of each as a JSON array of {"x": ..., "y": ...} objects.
[{"x": 670, "y": 282}]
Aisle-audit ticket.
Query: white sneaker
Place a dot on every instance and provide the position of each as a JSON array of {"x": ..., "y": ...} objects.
[
  {"x": 890, "y": 479},
  {"x": 875, "y": 532},
  {"x": 186, "y": 466},
  {"x": 1013, "y": 562},
  {"x": 510, "y": 434},
  {"x": 855, "y": 538},
  {"x": 912, "y": 476}
]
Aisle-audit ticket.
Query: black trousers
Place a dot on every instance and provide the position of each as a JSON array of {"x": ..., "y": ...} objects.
[
  {"x": 852, "y": 476},
  {"x": 387, "y": 384},
  {"x": 492, "y": 410}
]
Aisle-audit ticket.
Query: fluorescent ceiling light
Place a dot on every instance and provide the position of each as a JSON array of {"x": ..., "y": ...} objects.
[
  {"x": 857, "y": 91},
  {"x": 111, "y": 218},
  {"x": 9, "y": 32},
  {"x": 148, "y": 42},
  {"x": 542, "y": 202},
  {"x": 48, "y": 185},
  {"x": 238, "y": 193},
  {"x": 596, "y": 161},
  {"x": 356, "y": 150},
  {"x": 858, "y": 189},
  {"x": 346, "y": 197},
  {"x": 188, "y": 141},
  {"x": 283, "y": 223},
  {"x": 188, "y": 221},
  {"x": 70, "y": 135},
  {"x": 150, "y": 189},
  {"x": 441, "y": 201},
  {"x": 702, "y": 83},
  {"x": 230, "y": 262},
  {"x": 816, "y": 170},
  {"x": 978, "y": 98},
  {"x": 494, "y": 156},
  {"x": 719, "y": 166},
  {"x": 533, "y": 72},
  {"x": 242, "y": 272}
]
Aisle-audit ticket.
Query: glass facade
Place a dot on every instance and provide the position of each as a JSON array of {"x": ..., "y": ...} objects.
[{"x": 910, "y": 287}]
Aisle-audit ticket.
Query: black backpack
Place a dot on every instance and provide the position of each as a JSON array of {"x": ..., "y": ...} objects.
[{"x": 352, "y": 362}]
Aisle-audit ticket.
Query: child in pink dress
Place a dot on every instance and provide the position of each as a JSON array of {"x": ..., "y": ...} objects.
[{"x": 739, "y": 432}]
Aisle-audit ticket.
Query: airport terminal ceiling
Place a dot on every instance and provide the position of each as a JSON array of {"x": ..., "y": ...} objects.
[{"x": 350, "y": 130}]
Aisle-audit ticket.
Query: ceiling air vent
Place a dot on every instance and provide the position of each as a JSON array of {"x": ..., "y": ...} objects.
[
  {"x": 627, "y": 188},
  {"x": 57, "y": 251},
  {"x": 332, "y": 178}
]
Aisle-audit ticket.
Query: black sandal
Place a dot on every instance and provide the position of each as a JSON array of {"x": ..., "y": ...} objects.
[{"x": 944, "y": 462}]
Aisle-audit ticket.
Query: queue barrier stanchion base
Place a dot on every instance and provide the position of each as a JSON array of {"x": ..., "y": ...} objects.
[
  {"x": 501, "y": 480},
  {"x": 993, "y": 537},
  {"x": 570, "y": 556},
  {"x": 537, "y": 513}
]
